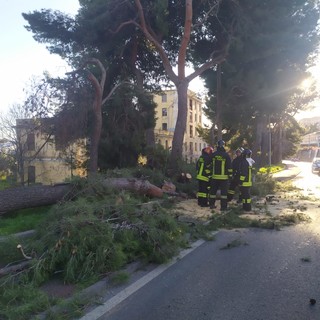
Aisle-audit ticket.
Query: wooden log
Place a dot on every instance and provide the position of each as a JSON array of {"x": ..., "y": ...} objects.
[
  {"x": 135, "y": 185},
  {"x": 15, "y": 268},
  {"x": 35, "y": 196}
]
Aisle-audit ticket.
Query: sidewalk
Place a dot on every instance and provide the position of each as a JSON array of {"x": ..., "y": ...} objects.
[{"x": 290, "y": 172}]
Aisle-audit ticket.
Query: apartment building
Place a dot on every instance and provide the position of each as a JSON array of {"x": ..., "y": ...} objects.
[
  {"x": 166, "y": 114},
  {"x": 41, "y": 158}
]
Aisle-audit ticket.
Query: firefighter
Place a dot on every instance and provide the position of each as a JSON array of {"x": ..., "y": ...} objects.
[
  {"x": 221, "y": 173},
  {"x": 234, "y": 183},
  {"x": 204, "y": 171},
  {"x": 245, "y": 170}
]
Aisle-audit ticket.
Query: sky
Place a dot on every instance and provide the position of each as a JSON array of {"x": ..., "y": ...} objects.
[{"x": 22, "y": 58}]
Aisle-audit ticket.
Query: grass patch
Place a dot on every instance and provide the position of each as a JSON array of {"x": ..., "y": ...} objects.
[
  {"x": 22, "y": 220},
  {"x": 120, "y": 278}
]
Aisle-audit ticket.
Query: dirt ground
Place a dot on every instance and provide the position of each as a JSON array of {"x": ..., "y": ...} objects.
[{"x": 273, "y": 205}]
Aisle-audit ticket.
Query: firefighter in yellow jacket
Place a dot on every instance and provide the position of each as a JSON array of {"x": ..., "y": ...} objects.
[
  {"x": 221, "y": 174},
  {"x": 245, "y": 171},
  {"x": 204, "y": 171}
]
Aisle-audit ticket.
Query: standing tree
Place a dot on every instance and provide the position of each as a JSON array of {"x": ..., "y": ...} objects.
[
  {"x": 275, "y": 45},
  {"x": 190, "y": 26},
  {"x": 169, "y": 32}
]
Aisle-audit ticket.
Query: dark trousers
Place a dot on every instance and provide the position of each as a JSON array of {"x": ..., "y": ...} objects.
[
  {"x": 232, "y": 189},
  {"x": 203, "y": 193},
  {"x": 246, "y": 198},
  {"x": 214, "y": 187}
]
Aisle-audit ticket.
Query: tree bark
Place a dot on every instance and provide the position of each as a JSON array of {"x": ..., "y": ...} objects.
[
  {"x": 180, "y": 80},
  {"x": 219, "y": 103},
  {"x": 14, "y": 269},
  {"x": 29, "y": 197},
  {"x": 36, "y": 196},
  {"x": 180, "y": 128}
]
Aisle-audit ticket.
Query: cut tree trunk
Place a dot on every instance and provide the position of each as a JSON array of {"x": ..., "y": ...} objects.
[
  {"x": 15, "y": 268},
  {"x": 29, "y": 197},
  {"x": 36, "y": 196}
]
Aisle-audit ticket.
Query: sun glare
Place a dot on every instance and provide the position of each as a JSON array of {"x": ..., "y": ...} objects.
[{"x": 306, "y": 83}]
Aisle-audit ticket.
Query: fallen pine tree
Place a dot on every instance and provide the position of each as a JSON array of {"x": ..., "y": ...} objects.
[{"x": 39, "y": 195}]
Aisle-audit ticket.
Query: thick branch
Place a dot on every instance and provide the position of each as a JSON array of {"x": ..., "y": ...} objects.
[
  {"x": 185, "y": 40},
  {"x": 15, "y": 268},
  {"x": 144, "y": 28}
]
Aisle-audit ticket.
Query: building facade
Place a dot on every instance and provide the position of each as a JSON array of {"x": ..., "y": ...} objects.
[
  {"x": 309, "y": 147},
  {"x": 41, "y": 159},
  {"x": 166, "y": 118}
]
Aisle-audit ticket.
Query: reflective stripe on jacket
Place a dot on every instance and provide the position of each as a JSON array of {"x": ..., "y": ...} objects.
[
  {"x": 203, "y": 168},
  {"x": 245, "y": 173},
  {"x": 221, "y": 165}
]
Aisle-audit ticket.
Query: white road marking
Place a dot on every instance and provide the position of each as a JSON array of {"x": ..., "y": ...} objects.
[{"x": 121, "y": 296}]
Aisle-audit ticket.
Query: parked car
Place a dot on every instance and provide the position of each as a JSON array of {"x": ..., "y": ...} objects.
[{"x": 316, "y": 165}]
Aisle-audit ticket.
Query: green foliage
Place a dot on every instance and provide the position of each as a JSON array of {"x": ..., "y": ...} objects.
[
  {"x": 158, "y": 157},
  {"x": 120, "y": 278},
  {"x": 4, "y": 184},
  {"x": 9, "y": 252},
  {"x": 229, "y": 221},
  {"x": 22, "y": 220},
  {"x": 273, "y": 44},
  {"x": 103, "y": 230},
  {"x": 270, "y": 170},
  {"x": 99, "y": 233},
  {"x": 129, "y": 115},
  {"x": 263, "y": 185},
  {"x": 21, "y": 300}
]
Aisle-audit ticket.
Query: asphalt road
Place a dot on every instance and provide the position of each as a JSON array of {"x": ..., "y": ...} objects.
[{"x": 269, "y": 275}]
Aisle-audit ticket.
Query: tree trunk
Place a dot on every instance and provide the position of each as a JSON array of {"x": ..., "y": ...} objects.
[
  {"x": 29, "y": 197},
  {"x": 180, "y": 80},
  {"x": 95, "y": 138},
  {"x": 36, "y": 196},
  {"x": 277, "y": 141},
  {"x": 180, "y": 128},
  {"x": 96, "y": 123},
  {"x": 260, "y": 147},
  {"x": 219, "y": 103}
]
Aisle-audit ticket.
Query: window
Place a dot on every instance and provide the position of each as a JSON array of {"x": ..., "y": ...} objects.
[
  {"x": 164, "y": 112},
  {"x": 190, "y": 104},
  {"x": 195, "y": 147},
  {"x": 191, "y": 147},
  {"x": 164, "y": 98},
  {"x": 31, "y": 174},
  {"x": 31, "y": 144},
  {"x": 191, "y": 131},
  {"x": 199, "y": 146},
  {"x": 195, "y": 117},
  {"x": 164, "y": 126},
  {"x": 190, "y": 117},
  {"x": 185, "y": 147},
  {"x": 167, "y": 145}
]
